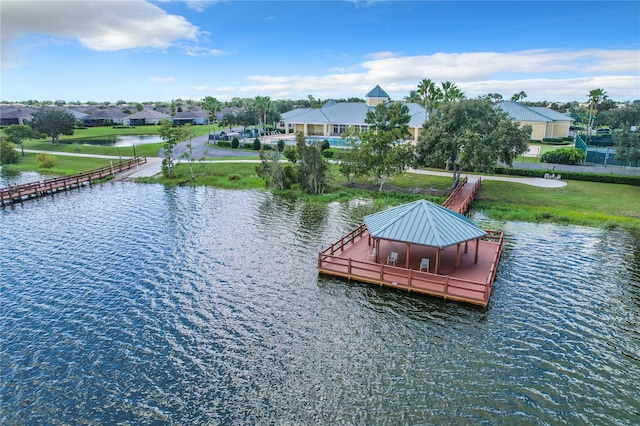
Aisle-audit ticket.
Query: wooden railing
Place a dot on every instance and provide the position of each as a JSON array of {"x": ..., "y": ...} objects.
[
  {"x": 442, "y": 285},
  {"x": 495, "y": 236},
  {"x": 350, "y": 238},
  {"x": 455, "y": 192},
  {"x": 35, "y": 189}
]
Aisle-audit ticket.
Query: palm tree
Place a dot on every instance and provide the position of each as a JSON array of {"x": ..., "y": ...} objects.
[
  {"x": 519, "y": 96},
  {"x": 596, "y": 96},
  {"x": 211, "y": 105},
  {"x": 424, "y": 87},
  {"x": 263, "y": 104},
  {"x": 451, "y": 92}
]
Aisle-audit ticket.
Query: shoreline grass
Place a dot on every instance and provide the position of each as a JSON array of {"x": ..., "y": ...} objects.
[
  {"x": 582, "y": 203},
  {"x": 593, "y": 204},
  {"x": 64, "y": 165}
]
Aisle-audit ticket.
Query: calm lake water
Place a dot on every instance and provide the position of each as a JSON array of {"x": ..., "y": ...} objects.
[
  {"x": 123, "y": 140},
  {"x": 136, "y": 304}
]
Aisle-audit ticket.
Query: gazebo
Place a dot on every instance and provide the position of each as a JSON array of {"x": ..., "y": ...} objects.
[{"x": 426, "y": 224}]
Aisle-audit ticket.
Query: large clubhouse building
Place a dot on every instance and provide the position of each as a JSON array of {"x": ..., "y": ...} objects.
[{"x": 334, "y": 118}]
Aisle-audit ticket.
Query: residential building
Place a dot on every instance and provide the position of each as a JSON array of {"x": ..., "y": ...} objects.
[{"x": 544, "y": 122}]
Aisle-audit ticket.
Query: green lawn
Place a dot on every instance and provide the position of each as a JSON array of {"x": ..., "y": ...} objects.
[
  {"x": 64, "y": 165},
  {"x": 583, "y": 203}
]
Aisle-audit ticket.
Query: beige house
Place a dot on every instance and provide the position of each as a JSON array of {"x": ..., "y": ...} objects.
[
  {"x": 334, "y": 118},
  {"x": 544, "y": 122}
]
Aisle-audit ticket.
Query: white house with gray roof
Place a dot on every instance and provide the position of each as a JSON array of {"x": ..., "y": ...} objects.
[
  {"x": 146, "y": 116},
  {"x": 334, "y": 118},
  {"x": 544, "y": 122}
]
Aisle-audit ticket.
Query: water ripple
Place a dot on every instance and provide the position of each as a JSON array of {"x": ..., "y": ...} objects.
[{"x": 129, "y": 303}]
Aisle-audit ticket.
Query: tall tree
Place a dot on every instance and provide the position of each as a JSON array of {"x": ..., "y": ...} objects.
[
  {"x": 596, "y": 96},
  {"x": 621, "y": 117},
  {"x": 313, "y": 169},
  {"x": 627, "y": 146},
  {"x": 414, "y": 97},
  {"x": 171, "y": 136},
  {"x": 384, "y": 149},
  {"x": 493, "y": 97},
  {"x": 425, "y": 87},
  {"x": 472, "y": 134},
  {"x": 450, "y": 92},
  {"x": 263, "y": 105},
  {"x": 18, "y": 133},
  {"x": 211, "y": 105},
  {"x": 517, "y": 97},
  {"x": 53, "y": 122},
  {"x": 188, "y": 132}
]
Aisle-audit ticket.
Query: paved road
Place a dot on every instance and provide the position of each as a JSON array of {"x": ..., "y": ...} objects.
[{"x": 201, "y": 150}]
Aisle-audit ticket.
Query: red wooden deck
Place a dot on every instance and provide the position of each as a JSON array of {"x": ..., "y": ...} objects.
[
  {"x": 458, "y": 277},
  {"x": 17, "y": 193}
]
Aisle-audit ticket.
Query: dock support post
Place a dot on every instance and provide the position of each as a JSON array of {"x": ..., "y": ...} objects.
[{"x": 475, "y": 260}]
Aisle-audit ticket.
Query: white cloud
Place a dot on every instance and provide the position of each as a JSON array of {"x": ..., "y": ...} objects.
[
  {"x": 162, "y": 79},
  {"x": 543, "y": 74},
  {"x": 203, "y": 51},
  {"x": 100, "y": 25}
]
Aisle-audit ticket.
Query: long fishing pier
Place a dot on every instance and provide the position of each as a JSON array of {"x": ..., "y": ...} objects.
[{"x": 19, "y": 193}]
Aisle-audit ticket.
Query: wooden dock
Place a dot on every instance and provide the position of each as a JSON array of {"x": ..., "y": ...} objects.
[
  {"x": 465, "y": 272},
  {"x": 19, "y": 193}
]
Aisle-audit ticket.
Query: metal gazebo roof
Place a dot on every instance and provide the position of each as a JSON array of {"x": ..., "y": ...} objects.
[{"x": 422, "y": 222}]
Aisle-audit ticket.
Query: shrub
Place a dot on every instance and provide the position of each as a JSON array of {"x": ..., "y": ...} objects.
[
  {"x": 45, "y": 161},
  {"x": 556, "y": 141},
  {"x": 224, "y": 143},
  {"x": 256, "y": 144},
  {"x": 291, "y": 154},
  {"x": 280, "y": 145},
  {"x": 329, "y": 152},
  {"x": 233, "y": 177},
  {"x": 248, "y": 145},
  {"x": 325, "y": 145},
  {"x": 235, "y": 143},
  {"x": 289, "y": 175},
  {"x": 8, "y": 155},
  {"x": 563, "y": 156},
  {"x": 267, "y": 147}
]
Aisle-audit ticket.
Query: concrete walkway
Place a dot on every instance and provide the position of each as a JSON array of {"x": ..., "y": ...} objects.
[
  {"x": 539, "y": 182},
  {"x": 154, "y": 166}
]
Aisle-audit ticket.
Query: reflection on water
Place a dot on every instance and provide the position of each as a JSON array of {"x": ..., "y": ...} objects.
[
  {"x": 10, "y": 177},
  {"x": 122, "y": 140},
  {"x": 139, "y": 304}
]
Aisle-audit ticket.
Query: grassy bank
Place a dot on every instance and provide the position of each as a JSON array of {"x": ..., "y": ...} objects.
[
  {"x": 581, "y": 203},
  {"x": 64, "y": 165}
]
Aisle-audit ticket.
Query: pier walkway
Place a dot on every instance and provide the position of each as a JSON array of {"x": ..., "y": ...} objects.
[{"x": 18, "y": 193}]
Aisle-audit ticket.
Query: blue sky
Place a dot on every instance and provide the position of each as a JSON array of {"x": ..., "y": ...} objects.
[{"x": 138, "y": 50}]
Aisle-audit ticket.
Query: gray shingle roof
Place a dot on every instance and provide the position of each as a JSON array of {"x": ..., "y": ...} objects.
[
  {"x": 422, "y": 222},
  {"x": 148, "y": 114}
]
